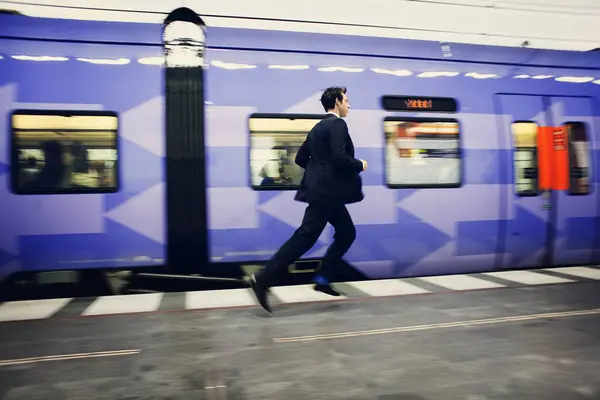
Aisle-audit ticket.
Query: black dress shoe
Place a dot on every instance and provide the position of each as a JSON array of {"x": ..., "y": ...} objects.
[
  {"x": 328, "y": 289},
  {"x": 260, "y": 291}
]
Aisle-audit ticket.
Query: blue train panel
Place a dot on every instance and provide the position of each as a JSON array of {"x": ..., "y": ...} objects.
[
  {"x": 87, "y": 225},
  {"x": 406, "y": 231},
  {"x": 508, "y": 180}
]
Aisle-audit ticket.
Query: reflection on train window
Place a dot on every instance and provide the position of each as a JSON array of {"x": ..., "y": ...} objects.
[
  {"x": 422, "y": 153},
  {"x": 525, "y": 158},
  {"x": 64, "y": 153},
  {"x": 579, "y": 158},
  {"x": 274, "y": 143}
]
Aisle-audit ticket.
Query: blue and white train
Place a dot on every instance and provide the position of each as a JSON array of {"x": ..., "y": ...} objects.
[{"x": 480, "y": 158}]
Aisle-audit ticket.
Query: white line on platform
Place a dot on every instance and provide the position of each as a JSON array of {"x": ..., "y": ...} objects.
[
  {"x": 460, "y": 282},
  {"x": 528, "y": 277},
  {"x": 219, "y": 298},
  {"x": 65, "y": 357},
  {"x": 400, "y": 329},
  {"x": 123, "y": 304},
  {"x": 30, "y": 309}
]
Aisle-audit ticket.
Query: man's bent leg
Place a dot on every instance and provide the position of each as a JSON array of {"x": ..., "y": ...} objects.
[
  {"x": 345, "y": 234},
  {"x": 303, "y": 239}
]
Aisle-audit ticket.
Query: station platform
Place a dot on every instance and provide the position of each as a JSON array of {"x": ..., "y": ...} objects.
[{"x": 505, "y": 335}]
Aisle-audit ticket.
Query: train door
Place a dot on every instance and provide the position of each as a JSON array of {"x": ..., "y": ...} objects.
[
  {"x": 574, "y": 195},
  {"x": 527, "y": 240},
  {"x": 551, "y": 207}
]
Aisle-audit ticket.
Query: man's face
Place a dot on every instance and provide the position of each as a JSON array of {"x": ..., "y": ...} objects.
[{"x": 343, "y": 106}]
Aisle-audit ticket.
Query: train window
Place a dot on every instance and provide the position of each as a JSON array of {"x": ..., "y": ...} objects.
[
  {"x": 58, "y": 152},
  {"x": 525, "y": 158},
  {"x": 274, "y": 143},
  {"x": 422, "y": 153},
  {"x": 579, "y": 158}
]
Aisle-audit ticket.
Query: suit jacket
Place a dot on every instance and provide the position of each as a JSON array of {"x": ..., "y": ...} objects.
[{"x": 331, "y": 173}]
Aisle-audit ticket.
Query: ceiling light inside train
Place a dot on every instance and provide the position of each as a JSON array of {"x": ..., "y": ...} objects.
[
  {"x": 597, "y": 82},
  {"x": 523, "y": 76},
  {"x": 397, "y": 72},
  {"x": 340, "y": 69},
  {"x": 39, "y": 58},
  {"x": 432, "y": 74},
  {"x": 152, "y": 60},
  {"x": 228, "y": 65},
  {"x": 480, "y": 76},
  {"x": 103, "y": 61},
  {"x": 542, "y": 76},
  {"x": 574, "y": 79},
  {"x": 184, "y": 44}
]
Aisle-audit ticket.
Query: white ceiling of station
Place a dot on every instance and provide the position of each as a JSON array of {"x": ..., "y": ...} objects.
[
  {"x": 569, "y": 6},
  {"x": 550, "y": 24}
]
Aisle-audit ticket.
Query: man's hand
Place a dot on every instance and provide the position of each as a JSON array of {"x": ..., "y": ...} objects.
[{"x": 365, "y": 165}]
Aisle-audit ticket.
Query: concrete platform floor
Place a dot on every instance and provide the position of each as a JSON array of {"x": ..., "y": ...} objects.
[{"x": 534, "y": 342}]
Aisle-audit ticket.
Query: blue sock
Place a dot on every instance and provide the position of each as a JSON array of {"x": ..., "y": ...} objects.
[{"x": 320, "y": 280}]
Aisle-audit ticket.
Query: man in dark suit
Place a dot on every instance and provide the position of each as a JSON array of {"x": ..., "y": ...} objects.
[{"x": 331, "y": 180}]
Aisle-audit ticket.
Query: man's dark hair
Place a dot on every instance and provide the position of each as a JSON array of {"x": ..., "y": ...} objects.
[{"x": 330, "y": 95}]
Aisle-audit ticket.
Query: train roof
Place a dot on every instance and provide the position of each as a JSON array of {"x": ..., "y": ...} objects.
[{"x": 150, "y": 34}]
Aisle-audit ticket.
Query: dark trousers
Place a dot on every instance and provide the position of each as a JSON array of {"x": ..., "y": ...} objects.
[{"x": 315, "y": 219}]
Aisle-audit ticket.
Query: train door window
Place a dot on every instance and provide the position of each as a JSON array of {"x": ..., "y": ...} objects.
[
  {"x": 274, "y": 142},
  {"x": 579, "y": 158},
  {"x": 63, "y": 152},
  {"x": 422, "y": 153},
  {"x": 525, "y": 158}
]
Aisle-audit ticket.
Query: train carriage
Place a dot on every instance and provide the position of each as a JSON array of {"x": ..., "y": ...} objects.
[{"x": 482, "y": 160}]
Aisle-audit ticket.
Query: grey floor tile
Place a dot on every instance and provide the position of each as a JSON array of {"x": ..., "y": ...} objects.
[{"x": 231, "y": 354}]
